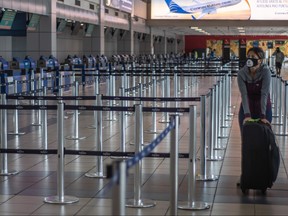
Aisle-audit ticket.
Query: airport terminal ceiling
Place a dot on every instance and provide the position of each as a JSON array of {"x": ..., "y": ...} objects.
[{"x": 220, "y": 17}]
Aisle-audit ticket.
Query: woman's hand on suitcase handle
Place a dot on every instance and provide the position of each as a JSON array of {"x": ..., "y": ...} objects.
[
  {"x": 265, "y": 121},
  {"x": 246, "y": 119}
]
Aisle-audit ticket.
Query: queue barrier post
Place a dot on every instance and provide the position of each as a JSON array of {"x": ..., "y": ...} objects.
[
  {"x": 154, "y": 127},
  {"x": 137, "y": 201},
  {"x": 211, "y": 130},
  {"x": 60, "y": 198},
  {"x": 111, "y": 92},
  {"x": 15, "y": 113},
  {"x": 3, "y": 128},
  {"x": 192, "y": 204},
  {"x": 44, "y": 122},
  {"x": 99, "y": 143},
  {"x": 174, "y": 165},
  {"x": 119, "y": 188},
  {"x": 285, "y": 109},
  {"x": 166, "y": 94},
  {"x": 38, "y": 113},
  {"x": 76, "y": 118},
  {"x": 203, "y": 169}
]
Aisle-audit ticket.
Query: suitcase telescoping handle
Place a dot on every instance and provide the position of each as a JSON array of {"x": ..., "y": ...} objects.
[{"x": 258, "y": 120}]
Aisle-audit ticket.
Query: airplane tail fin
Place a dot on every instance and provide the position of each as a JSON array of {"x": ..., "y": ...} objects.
[{"x": 175, "y": 8}]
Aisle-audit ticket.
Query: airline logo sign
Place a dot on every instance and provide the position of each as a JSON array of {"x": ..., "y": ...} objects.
[
  {"x": 123, "y": 5},
  {"x": 220, "y": 9}
]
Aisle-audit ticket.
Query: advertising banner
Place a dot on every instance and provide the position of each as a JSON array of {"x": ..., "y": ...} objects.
[
  {"x": 123, "y": 5},
  {"x": 220, "y": 9}
]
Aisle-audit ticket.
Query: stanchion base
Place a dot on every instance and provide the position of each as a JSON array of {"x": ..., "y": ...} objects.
[
  {"x": 152, "y": 132},
  {"x": 8, "y": 173},
  {"x": 92, "y": 127},
  {"x": 164, "y": 121},
  {"x": 95, "y": 175},
  {"x": 225, "y": 126},
  {"x": 194, "y": 206},
  {"x": 129, "y": 114},
  {"x": 36, "y": 124},
  {"x": 277, "y": 123},
  {"x": 145, "y": 143},
  {"x": 278, "y": 134},
  {"x": 95, "y": 127},
  {"x": 220, "y": 147},
  {"x": 108, "y": 119},
  {"x": 140, "y": 203},
  {"x": 223, "y": 137},
  {"x": 214, "y": 158},
  {"x": 16, "y": 133},
  {"x": 57, "y": 200},
  {"x": 206, "y": 178},
  {"x": 75, "y": 138}
]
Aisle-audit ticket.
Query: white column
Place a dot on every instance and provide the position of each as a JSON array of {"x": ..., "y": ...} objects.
[
  {"x": 165, "y": 42},
  {"x": 151, "y": 41},
  {"x": 48, "y": 32},
  {"x": 98, "y": 40}
]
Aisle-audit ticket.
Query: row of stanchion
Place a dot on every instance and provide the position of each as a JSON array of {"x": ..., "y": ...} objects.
[{"x": 222, "y": 94}]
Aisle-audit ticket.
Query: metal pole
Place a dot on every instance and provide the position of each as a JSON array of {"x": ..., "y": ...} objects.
[
  {"x": 191, "y": 204},
  {"x": 44, "y": 122},
  {"x": 3, "y": 128},
  {"x": 75, "y": 118},
  {"x": 60, "y": 198},
  {"x": 154, "y": 89},
  {"x": 211, "y": 135},
  {"x": 15, "y": 113},
  {"x": 119, "y": 189},
  {"x": 284, "y": 128},
  {"x": 176, "y": 89},
  {"x": 137, "y": 201},
  {"x": 99, "y": 142},
  {"x": 203, "y": 176},
  {"x": 174, "y": 160},
  {"x": 167, "y": 94},
  {"x": 122, "y": 124}
]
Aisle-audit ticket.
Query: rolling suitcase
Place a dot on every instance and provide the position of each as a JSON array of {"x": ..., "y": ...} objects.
[{"x": 260, "y": 157}]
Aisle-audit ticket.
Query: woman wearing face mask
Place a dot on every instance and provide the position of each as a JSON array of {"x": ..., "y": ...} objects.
[{"x": 254, "y": 85}]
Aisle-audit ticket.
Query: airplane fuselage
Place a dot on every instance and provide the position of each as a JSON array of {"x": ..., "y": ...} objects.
[{"x": 210, "y": 5}]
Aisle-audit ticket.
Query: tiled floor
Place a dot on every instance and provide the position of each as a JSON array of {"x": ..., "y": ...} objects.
[{"x": 24, "y": 193}]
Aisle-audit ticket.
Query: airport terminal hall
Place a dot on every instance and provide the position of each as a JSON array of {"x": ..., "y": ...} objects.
[{"x": 143, "y": 107}]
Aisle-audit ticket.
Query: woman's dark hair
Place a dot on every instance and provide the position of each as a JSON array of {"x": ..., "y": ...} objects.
[{"x": 258, "y": 51}]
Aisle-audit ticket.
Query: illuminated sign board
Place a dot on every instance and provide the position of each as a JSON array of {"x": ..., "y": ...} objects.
[
  {"x": 220, "y": 9},
  {"x": 33, "y": 23},
  {"x": 7, "y": 19},
  {"x": 123, "y": 5},
  {"x": 89, "y": 30}
]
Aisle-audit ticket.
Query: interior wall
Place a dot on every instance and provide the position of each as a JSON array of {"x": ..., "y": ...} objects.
[{"x": 200, "y": 42}]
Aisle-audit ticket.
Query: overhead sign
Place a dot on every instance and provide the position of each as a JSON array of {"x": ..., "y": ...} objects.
[
  {"x": 220, "y": 9},
  {"x": 7, "y": 19},
  {"x": 123, "y": 5}
]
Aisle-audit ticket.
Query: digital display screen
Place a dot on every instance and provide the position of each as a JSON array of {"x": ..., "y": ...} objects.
[
  {"x": 7, "y": 19},
  {"x": 33, "y": 23},
  {"x": 89, "y": 30},
  {"x": 220, "y": 9},
  {"x": 61, "y": 25}
]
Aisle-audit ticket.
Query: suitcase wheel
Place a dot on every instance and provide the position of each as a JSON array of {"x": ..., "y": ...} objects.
[
  {"x": 264, "y": 191},
  {"x": 244, "y": 191}
]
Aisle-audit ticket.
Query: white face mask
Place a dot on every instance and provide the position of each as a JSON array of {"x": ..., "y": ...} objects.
[{"x": 251, "y": 62}]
